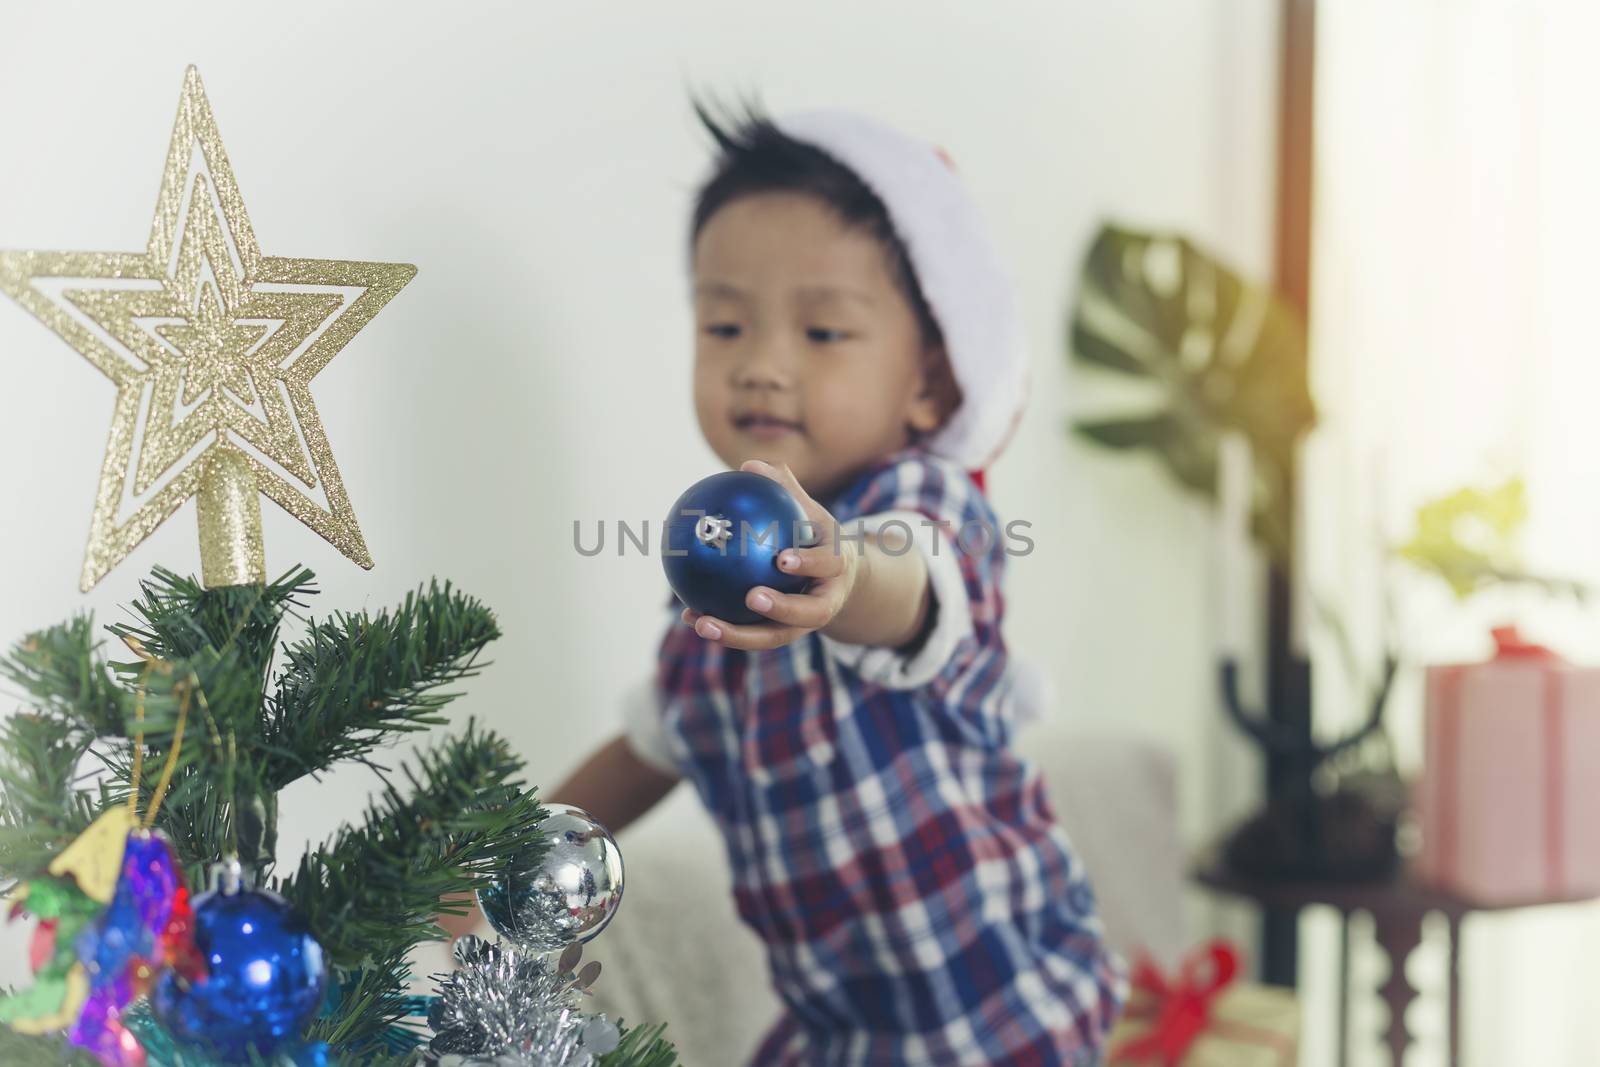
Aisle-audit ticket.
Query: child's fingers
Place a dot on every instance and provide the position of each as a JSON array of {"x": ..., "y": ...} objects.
[
  {"x": 823, "y": 561},
  {"x": 780, "y": 473},
  {"x": 806, "y": 611},
  {"x": 754, "y": 637}
]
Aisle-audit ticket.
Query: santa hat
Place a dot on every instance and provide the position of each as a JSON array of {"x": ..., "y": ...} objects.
[
  {"x": 967, "y": 289},
  {"x": 958, "y": 270}
]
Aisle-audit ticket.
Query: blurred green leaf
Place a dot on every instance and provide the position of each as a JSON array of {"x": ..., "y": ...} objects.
[
  {"x": 1227, "y": 356},
  {"x": 1092, "y": 348},
  {"x": 1469, "y": 538},
  {"x": 1149, "y": 432}
]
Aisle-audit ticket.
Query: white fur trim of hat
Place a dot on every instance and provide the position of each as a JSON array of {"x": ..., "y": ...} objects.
[{"x": 958, "y": 269}]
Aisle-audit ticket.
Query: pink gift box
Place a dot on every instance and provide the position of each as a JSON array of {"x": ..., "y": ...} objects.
[{"x": 1509, "y": 800}]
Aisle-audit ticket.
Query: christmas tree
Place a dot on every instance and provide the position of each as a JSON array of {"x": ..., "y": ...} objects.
[
  {"x": 139, "y": 787},
  {"x": 198, "y": 698}
]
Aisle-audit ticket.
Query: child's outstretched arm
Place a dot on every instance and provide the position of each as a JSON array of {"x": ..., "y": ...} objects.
[
  {"x": 864, "y": 594},
  {"x": 614, "y": 785}
]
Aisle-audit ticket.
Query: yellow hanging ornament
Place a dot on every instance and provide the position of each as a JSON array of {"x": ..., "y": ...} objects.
[{"x": 94, "y": 859}]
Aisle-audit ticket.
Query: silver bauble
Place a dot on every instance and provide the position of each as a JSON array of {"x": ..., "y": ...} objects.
[{"x": 567, "y": 895}]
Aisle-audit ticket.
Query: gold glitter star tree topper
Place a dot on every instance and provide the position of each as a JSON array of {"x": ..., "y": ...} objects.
[{"x": 212, "y": 347}]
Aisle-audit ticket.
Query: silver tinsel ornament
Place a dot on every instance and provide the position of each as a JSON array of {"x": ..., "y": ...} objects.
[
  {"x": 508, "y": 1007},
  {"x": 568, "y": 894}
]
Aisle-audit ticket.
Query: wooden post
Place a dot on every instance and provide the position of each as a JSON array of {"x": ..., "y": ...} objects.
[{"x": 1288, "y": 672}]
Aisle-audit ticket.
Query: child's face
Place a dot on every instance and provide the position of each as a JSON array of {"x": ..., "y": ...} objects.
[{"x": 806, "y": 352}]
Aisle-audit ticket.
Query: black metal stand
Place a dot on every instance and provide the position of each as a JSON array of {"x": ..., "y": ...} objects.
[{"x": 1288, "y": 705}]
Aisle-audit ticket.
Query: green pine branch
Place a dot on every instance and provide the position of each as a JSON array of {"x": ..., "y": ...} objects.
[
  {"x": 41, "y": 810},
  {"x": 355, "y": 680},
  {"x": 215, "y": 649},
  {"x": 201, "y": 661},
  {"x": 220, "y": 643},
  {"x": 48, "y": 1050},
  {"x": 372, "y": 1006},
  {"x": 642, "y": 1046},
  {"x": 59, "y": 672},
  {"x": 218, "y": 801},
  {"x": 180, "y": 617},
  {"x": 373, "y": 890}
]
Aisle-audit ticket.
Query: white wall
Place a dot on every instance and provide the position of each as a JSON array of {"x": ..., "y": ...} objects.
[
  {"x": 1455, "y": 346},
  {"x": 536, "y": 161}
]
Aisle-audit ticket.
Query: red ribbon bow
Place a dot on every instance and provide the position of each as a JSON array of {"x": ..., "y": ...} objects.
[
  {"x": 1510, "y": 644},
  {"x": 1181, "y": 1009}
]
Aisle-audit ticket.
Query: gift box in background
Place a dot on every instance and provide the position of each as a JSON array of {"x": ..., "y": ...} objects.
[
  {"x": 1202, "y": 1018},
  {"x": 1511, "y": 777}
]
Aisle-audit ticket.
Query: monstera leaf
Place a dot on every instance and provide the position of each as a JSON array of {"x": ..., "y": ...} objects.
[{"x": 1218, "y": 355}]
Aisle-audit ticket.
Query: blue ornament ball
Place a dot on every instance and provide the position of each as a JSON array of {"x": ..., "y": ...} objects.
[
  {"x": 264, "y": 982},
  {"x": 722, "y": 539}
]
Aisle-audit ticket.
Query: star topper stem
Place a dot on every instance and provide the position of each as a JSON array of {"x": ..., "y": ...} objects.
[{"x": 229, "y": 506}]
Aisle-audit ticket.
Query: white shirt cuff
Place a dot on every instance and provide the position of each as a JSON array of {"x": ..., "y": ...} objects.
[
  {"x": 641, "y": 726},
  {"x": 886, "y": 666}
]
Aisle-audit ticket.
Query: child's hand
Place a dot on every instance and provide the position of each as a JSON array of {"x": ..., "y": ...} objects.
[
  {"x": 835, "y": 565},
  {"x": 459, "y": 926}
]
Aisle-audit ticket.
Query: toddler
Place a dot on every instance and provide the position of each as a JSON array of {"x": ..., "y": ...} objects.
[{"x": 856, "y": 339}]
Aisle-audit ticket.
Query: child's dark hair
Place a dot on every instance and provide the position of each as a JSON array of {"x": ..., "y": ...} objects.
[{"x": 758, "y": 157}]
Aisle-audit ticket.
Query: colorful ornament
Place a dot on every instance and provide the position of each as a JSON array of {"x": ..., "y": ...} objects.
[
  {"x": 91, "y": 963},
  {"x": 145, "y": 929},
  {"x": 60, "y": 983},
  {"x": 722, "y": 539},
  {"x": 148, "y": 917},
  {"x": 265, "y": 975},
  {"x": 566, "y": 895}
]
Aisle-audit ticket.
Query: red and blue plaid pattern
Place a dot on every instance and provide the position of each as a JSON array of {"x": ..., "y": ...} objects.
[{"x": 918, "y": 902}]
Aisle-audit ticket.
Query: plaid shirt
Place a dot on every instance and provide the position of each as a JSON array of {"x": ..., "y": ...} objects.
[{"x": 917, "y": 900}]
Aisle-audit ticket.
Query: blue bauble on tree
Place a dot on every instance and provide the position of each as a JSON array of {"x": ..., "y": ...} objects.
[
  {"x": 722, "y": 539},
  {"x": 265, "y": 976}
]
